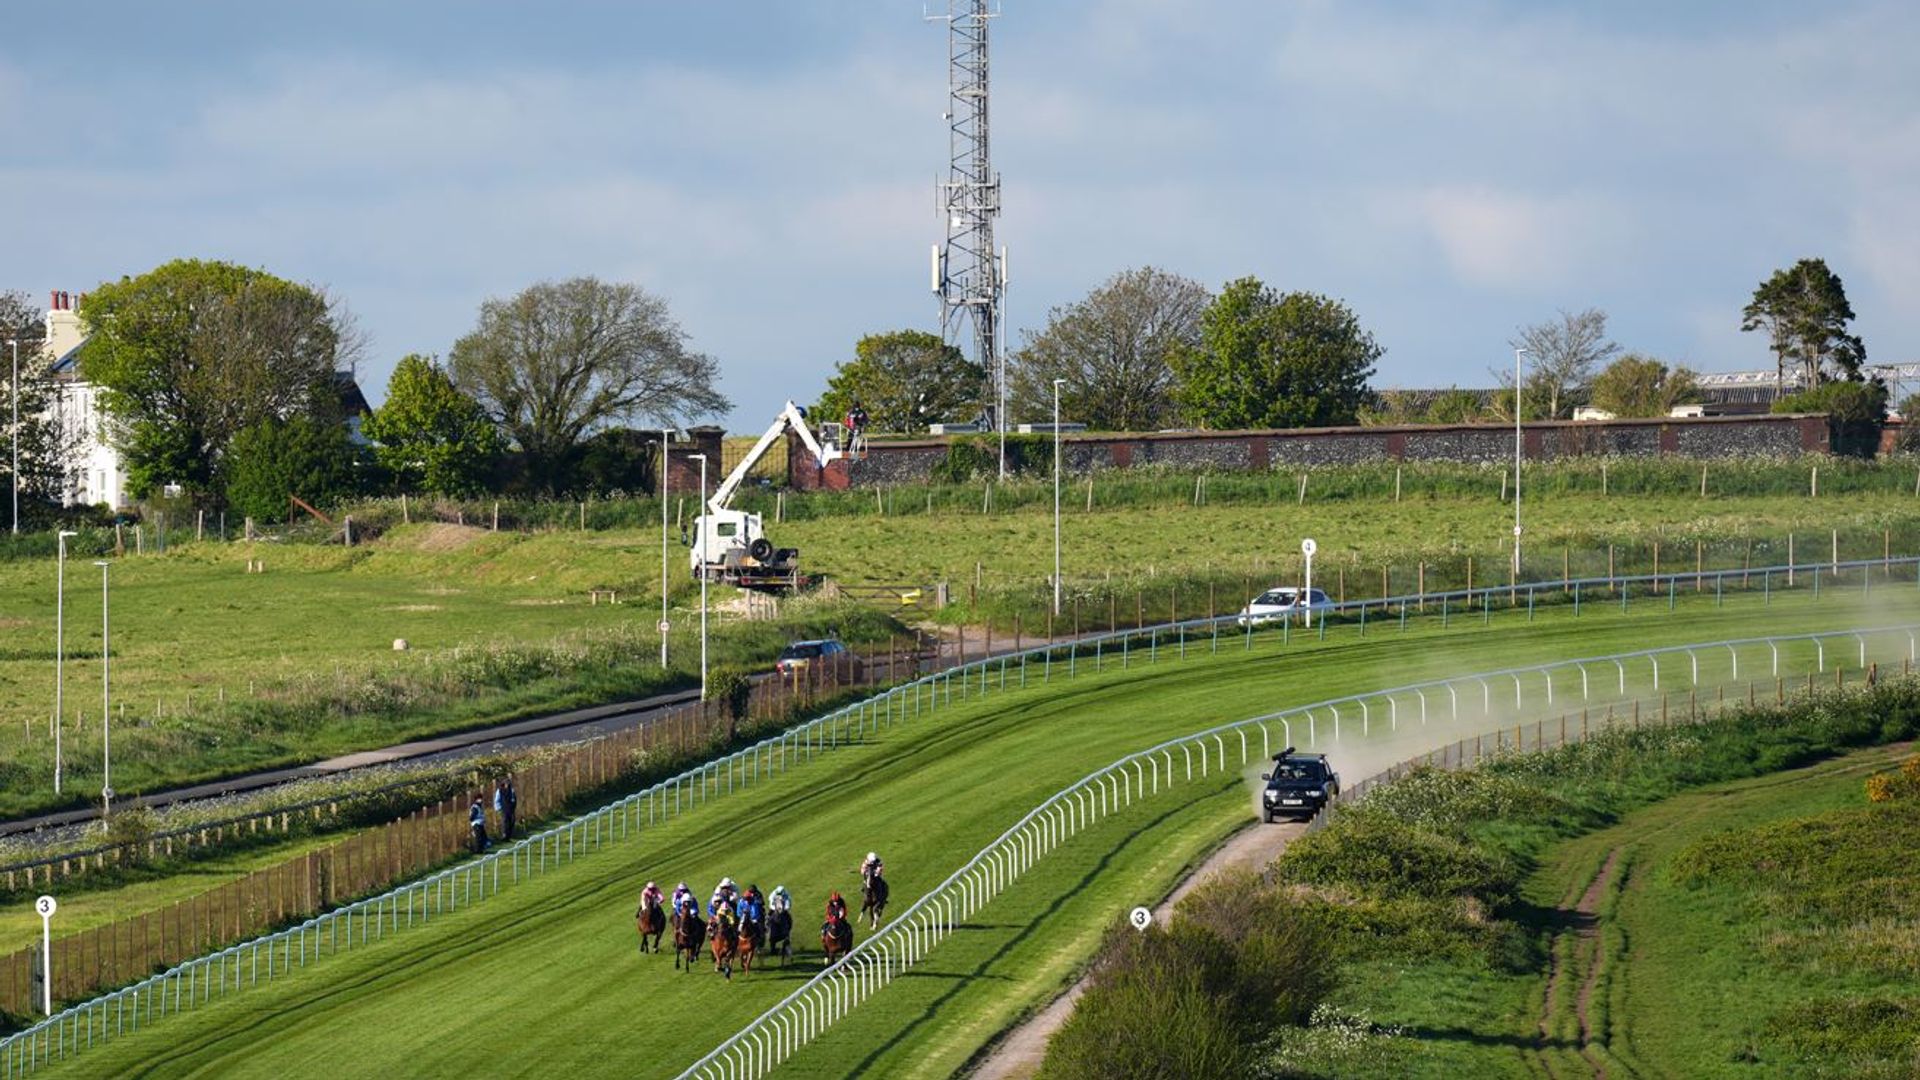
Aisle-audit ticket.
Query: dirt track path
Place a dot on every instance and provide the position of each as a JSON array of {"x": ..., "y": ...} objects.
[{"x": 1018, "y": 1053}]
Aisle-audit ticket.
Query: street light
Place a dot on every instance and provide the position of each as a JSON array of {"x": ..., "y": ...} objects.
[
  {"x": 59, "y": 652},
  {"x": 1056, "y": 497},
  {"x": 106, "y": 740},
  {"x": 13, "y": 395},
  {"x": 705, "y": 527},
  {"x": 666, "y": 434},
  {"x": 1517, "y": 354}
]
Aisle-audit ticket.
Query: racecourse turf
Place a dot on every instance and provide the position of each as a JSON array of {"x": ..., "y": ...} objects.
[{"x": 546, "y": 978}]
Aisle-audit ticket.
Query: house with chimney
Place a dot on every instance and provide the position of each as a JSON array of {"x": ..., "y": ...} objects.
[{"x": 95, "y": 473}]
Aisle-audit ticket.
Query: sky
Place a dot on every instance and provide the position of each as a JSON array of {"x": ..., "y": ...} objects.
[{"x": 1452, "y": 171}]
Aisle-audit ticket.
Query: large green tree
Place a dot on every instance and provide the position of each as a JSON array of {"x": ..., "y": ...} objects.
[
  {"x": 563, "y": 359},
  {"x": 1112, "y": 352},
  {"x": 191, "y": 352},
  {"x": 305, "y": 458},
  {"x": 1636, "y": 385},
  {"x": 906, "y": 380},
  {"x": 46, "y": 443},
  {"x": 1805, "y": 314},
  {"x": 1271, "y": 360},
  {"x": 430, "y": 435}
]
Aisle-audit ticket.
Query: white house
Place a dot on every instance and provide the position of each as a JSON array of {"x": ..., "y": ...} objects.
[{"x": 95, "y": 473}]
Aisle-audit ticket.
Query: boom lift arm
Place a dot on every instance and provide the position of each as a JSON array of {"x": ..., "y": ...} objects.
[{"x": 790, "y": 418}]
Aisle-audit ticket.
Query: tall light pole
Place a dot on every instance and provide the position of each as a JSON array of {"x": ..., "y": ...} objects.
[
  {"x": 666, "y": 434},
  {"x": 59, "y": 653},
  {"x": 705, "y": 527},
  {"x": 13, "y": 395},
  {"x": 1056, "y": 497},
  {"x": 1517, "y": 354},
  {"x": 106, "y": 712}
]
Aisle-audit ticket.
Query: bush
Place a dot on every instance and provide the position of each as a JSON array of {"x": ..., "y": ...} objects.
[
  {"x": 1368, "y": 852},
  {"x": 1855, "y": 412}
]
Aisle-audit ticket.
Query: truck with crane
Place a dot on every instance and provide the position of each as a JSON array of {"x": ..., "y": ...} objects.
[{"x": 731, "y": 545}]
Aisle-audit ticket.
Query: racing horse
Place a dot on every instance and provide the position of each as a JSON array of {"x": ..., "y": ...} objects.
[
  {"x": 873, "y": 900},
  {"x": 780, "y": 934},
  {"x": 725, "y": 942},
  {"x": 753, "y": 937},
  {"x": 689, "y": 933},
  {"x": 651, "y": 918},
  {"x": 836, "y": 938}
]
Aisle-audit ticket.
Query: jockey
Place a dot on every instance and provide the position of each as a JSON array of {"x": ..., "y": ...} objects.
[
  {"x": 724, "y": 895},
  {"x": 650, "y": 895},
  {"x": 779, "y": 899},
  {"x": 681, "y": 894},
  {"x": 751, "y": 905},
  {"x": 836, "y": 907},
  {"x": 871, "y": 868}
]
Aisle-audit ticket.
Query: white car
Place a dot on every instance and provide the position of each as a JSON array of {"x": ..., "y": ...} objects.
[{"x": 1281, "y": 603}]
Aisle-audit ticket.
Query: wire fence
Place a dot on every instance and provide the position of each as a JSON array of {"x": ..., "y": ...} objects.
[
  {"x": 355, "y": 924},
  {"x": 806, "y": 1013}
]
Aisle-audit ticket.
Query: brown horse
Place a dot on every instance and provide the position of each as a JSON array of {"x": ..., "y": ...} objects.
[
  {"x": 725, "y": 942},
  {"x": 780, "y": 934},
  {"x": 753, "y": 935},
  {"x": 689, "y": 933},
  {"x": 651, "y": 918},
  {"x": 836, "y": 939}
]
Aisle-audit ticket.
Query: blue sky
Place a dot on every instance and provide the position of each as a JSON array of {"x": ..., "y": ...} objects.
[{"x": 1452, "y": 171}]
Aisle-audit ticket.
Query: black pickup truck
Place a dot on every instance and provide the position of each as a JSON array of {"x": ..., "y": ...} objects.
[{"x": 1299, "y": 786}]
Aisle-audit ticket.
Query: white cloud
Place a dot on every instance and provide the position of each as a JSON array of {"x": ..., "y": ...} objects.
[{"x": 1513, "y": 240}]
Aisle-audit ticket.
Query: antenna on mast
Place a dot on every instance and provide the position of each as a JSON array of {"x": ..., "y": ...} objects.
[{"x": 969, "y": 274}]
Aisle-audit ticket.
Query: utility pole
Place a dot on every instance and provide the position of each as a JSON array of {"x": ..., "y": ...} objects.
[{"x": 969, "y": 274}]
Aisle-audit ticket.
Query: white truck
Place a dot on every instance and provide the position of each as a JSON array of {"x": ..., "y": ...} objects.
[{"x": 731, "y": 545}]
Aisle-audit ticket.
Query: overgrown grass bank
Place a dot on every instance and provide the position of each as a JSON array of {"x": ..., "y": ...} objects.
[{"x": 1521, "y": 916}]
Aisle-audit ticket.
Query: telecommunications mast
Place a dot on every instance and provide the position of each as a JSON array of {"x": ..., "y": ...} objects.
[{"x": 969, "y": 274}]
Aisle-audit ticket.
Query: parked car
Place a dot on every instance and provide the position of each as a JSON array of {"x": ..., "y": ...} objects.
[
  {"x": 826, "y": 653},
  {"x": 1299, "y": 786},
  {"x": 1282, "y": 602}
]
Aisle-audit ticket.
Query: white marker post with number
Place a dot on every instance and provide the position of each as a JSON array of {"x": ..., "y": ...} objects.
[
  {"x": 1307, "y": 548},
  {"x": 46, "y": 906}
]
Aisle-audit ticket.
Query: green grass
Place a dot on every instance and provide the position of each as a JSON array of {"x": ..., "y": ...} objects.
[
  {"x": 553, "y": 962},
  {"x": 83, "y": 908},
  {"x": 1737, "y": 928},
  {"x": 217, "y": 671}
]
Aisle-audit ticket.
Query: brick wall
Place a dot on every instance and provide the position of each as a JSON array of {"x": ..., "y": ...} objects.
[{"x": 912, "y": 461}]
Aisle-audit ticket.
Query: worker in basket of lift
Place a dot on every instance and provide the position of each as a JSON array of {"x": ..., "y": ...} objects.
[{"x": 856, "y": 424}]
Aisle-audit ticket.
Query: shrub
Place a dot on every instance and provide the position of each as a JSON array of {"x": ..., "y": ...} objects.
[
  {"x": 1374, "y": 854},
  {"x": 1903, "y": 784},
  {"x": 1855, "y": 411}
]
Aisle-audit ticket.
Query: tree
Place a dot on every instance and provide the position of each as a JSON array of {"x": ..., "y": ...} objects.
[
  {"x": 617, "y": 460},
  {"x": 304, "y": 457},
  {"x": 1454, "y": 406},
  {"x": 1636, "y": 385},
  {"x": 431, "y": 436},
  {"x": 1855, "y": 410},
  {"x": 564, "y": 358},
  {"x": 1112, "y": 348},
  {"x": 191, "y": 352},
  {"x": 1805, "y": 313},
  {"x": 1271, "y": 360},
  {"x": 1562, "y": 355},
  {"x": 46, "y": 443},
  {"x": 906, "y": 379}
]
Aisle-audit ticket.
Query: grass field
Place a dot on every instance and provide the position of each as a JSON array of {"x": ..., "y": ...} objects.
[
  {"x": 216, "y": 670},
  {"x": 1653, "y": 974},
  {"x": 551, "y": 966}
]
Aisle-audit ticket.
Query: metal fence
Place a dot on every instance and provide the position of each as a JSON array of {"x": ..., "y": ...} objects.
[
  {"x": 809, "y": 1010},
  {"x": 239, "y": 966}
]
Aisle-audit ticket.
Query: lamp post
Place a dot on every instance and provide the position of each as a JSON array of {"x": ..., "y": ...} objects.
[
  {"x": 1056, "y": 497},
  {"x": 666, "y": 434},
  {"x": 106, "y": 713},
  {"x": 13, "y": 395},
  {"x": 705, "y": 527},
  {"x": 59, "y": 652},
  {"x": 1517, "y": 354}
]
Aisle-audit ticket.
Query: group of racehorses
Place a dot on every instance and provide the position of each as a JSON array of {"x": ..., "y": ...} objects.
[{"x": 733, "y": 940}]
